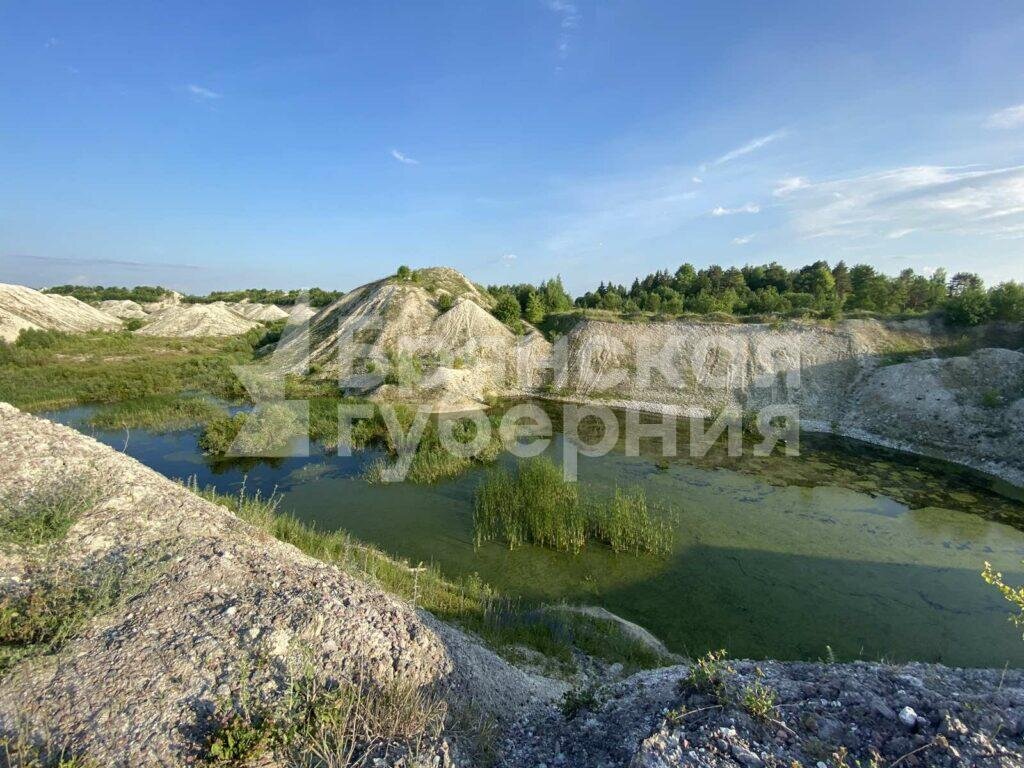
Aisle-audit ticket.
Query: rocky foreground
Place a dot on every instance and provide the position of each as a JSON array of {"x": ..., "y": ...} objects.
[{"x": 217, "y": 612}]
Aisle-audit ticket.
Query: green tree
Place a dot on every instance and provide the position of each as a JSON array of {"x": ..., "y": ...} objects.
[
  {"x": 969, "y": 307},
  {"x": 841, "y": 276},
  {"x": 535, "y": 309},
  {"x": 404, "y": 273},
  {"x": 1007, "y": 301},
  {"x": 507, "y": 311}
]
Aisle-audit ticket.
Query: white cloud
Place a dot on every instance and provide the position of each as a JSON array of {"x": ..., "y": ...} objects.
[
  {"x": 201, "y": 92},
  {"x": 52, "y": 42},
  {"x": 897, "y": 234},
  {"x": 790, "y": 185},
  {"x": 1011, "y": 117},
  {"x": 750, "y": 146},
  {"x": 509, "y": 257},
  {"x": 402, "y": 158},
  {"x": 748, "y": 208},
  {"x": 743, "y": 240},
  {"x": 570, "y": 20},
  {"x": 697, "y": 180},
  {"x": 929, "y": 199}
]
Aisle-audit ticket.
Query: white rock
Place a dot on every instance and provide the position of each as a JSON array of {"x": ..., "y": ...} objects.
[{"x": 908, "y": 717}]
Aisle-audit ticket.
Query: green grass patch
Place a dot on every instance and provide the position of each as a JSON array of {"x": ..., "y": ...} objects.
[
  {"x": 45, "y": 514},
  {"x": 536, "y": 505},
  {"x": 54, "y": 608},
  {"x": 312, "y": 724},
  {"x": 49, "y": 370},
  {"x": 502, "y": 622},
  {"x": 157, "y": 413}
]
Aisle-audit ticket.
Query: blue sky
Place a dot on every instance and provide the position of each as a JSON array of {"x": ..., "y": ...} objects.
[{"x": 213, "y": 145}]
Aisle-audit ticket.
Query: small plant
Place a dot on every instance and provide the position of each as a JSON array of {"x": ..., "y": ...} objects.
[
  {"x": 45, "y": 514},
  {"x": 133, "y": 324},
  {"x": 445, "y": 302},
  {"x": 758, "y": 700},
  {"x": 577, "y": 700},
  {"x": 403, "y": 273},
  {"x": 707, "y": 674},
  {"x": 1014, "y": 595},
  {"x": 991, "y": 398}
]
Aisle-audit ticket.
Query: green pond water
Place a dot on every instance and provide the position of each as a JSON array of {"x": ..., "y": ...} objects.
[{"x": 873, "y": 553}]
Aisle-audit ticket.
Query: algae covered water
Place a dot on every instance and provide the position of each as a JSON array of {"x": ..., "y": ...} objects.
[{"x": 868, "y": 552}]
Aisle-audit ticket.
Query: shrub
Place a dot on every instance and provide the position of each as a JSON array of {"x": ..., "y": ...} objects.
[
  {"x": 445, "y": 302},
  {"x": 507, "y": 310},
  {"x": 38, "y": 338},
  {"x": 134, "y": 323}
]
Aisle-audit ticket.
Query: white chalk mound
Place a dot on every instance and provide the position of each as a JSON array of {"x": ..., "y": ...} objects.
[
  {"x": 264, "y": 313},
  {"x": 126, "y": 309},
  {"x": 22, "y": 307},
  {"x": 195, "y": 320}
]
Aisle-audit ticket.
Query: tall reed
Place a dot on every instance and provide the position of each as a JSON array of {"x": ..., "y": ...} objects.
[{"x": 536, "y": 505}]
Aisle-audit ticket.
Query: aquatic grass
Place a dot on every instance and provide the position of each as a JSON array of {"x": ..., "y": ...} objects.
[
  {"x": 158, "y": 413},
  {"x": 537, "y": 505},
  {"x": 503, "y": 622},
  {"x": 627, "y": 524},
  {"x": 267, "y": 430}
]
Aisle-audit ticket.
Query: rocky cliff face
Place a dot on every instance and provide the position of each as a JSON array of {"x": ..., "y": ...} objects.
[{"x": 912, "y": 384}]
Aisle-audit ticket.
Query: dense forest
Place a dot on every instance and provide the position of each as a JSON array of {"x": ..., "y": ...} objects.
[{"x": 815, "y": 290}]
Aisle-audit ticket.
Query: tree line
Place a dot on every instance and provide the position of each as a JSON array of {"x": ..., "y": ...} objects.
[{"x": 815, "y": 290}]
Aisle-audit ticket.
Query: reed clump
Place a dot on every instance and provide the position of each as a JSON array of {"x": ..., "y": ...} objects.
[{"x": 536, "y": 505}]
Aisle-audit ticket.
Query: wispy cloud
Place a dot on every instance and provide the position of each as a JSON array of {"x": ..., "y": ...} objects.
[
  {"x": 570, "y": 20},
  {"x": 697, "y": 180},
  {"x": 632, "y": 208},
  {"x": 1011, "y": 117},
  {"x": 508, "y": 259},
  {"x": 201, "y": 92},
  {"x": 403, "y": 158},
  {"x": 52, "y": 42},
  {"x": 748, "y": 208},
  {"x": 743, "y": 240},
  {"x": 751, "y": 146},
  {"x": 891, "y": 204},
  {"x": 86, "y": 261},
  {"x": 790, "y": 185}
]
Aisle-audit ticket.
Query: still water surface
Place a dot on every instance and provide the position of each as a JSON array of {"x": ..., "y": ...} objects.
[{"x": 871, "y": 552}]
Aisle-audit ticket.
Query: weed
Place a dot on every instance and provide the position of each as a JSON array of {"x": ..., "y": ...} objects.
[
  {"x": 758, "y": 700},
  {"x": 991, "y": 398},
  {"x": 580, "y": 699},
  {"x": 45, "y": 514},
  {"x": 55, "y": 607},
  {"x": 1014, "y": 595},
  {"x": 707, "y": 674},
  {"x": 348, "y": 723}
]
